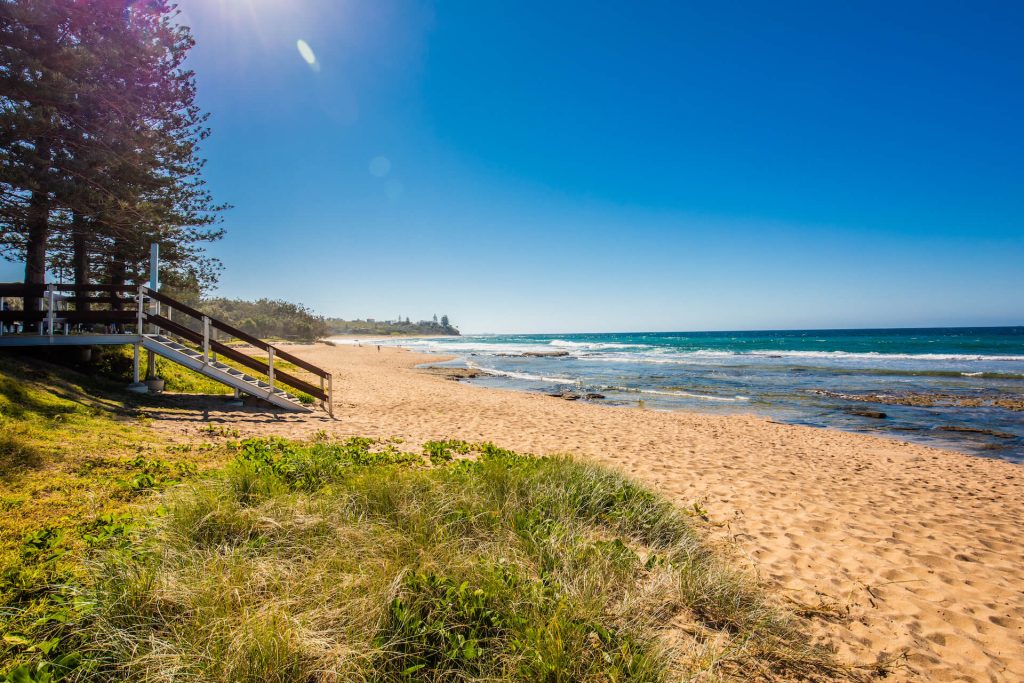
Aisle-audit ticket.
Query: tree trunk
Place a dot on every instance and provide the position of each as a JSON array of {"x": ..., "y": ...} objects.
[
  {"x": 35, "y": 248},
  {"x": 80, "y": 258}
]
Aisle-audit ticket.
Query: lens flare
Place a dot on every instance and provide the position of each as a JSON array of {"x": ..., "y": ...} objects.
[
  {"x": 380, "y": 166},
  {"x": 306, "y": 52}
]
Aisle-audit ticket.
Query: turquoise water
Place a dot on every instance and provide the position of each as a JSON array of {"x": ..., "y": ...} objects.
[{"x": 779, "y": 374}]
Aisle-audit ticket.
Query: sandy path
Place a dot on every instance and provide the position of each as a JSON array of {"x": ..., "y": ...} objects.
[{"x": 924, "y": 548}]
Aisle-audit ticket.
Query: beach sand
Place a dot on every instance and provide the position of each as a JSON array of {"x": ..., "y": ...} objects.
[{"x": 915, "y": 554}]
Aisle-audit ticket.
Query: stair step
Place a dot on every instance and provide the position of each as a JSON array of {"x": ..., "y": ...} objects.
[{"x": 225, "y": 373}]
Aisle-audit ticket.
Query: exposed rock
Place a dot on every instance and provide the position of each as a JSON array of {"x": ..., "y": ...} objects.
[
  {"x": 932, "y": 400},
  {"x": 877, "y": 414},
  {"x": 455, "y": 374},
  {"x": 535, "y": 354},
  {"x": 567, "y": 395},
  {"x": 575, "y": 396},
  {"x": 976, "y": 430}
]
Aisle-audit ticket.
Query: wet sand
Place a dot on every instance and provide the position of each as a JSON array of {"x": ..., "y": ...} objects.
[{"x": 915, "y": 554}]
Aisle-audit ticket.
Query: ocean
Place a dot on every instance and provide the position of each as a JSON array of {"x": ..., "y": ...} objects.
[{"x": 948, "y": 387}]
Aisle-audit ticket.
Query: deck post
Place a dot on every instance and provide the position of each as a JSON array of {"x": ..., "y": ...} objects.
[
  {"x": 330, "y": 395},
  {"x": 137, "y": 385},
  {"x": 323, "y": 403},
  {"x": 3, "y": 301},
  {"x": 139, "y": 309},
  {"x": 49, "y": 313},
  {"x": 135, "y": 365},
  {"x": 270, "y": 369},
  {"x": 154, "y": 309},
  {"x": 206, "y": 339}
]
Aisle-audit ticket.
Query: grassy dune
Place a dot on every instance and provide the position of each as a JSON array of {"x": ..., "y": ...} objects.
[{"x": 269, "y": 560}]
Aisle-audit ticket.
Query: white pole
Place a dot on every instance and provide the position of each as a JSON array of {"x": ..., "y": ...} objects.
[
  {"x": 154, "y": 266},
  {"x": 136, "y": 373},
  {"x": 141, "y": 302}
]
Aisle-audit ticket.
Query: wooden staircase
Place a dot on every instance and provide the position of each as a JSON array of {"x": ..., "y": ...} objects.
[
  {"x": 215, "y": 370},
  {"x": 168, "y": 328}
]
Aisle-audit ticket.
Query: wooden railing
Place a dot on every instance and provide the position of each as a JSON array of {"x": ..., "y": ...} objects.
[
  {"x": 205, "y": 339},
  {"x": 115, "y": 309}
]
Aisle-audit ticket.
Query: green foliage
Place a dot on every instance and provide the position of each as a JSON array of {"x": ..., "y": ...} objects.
[
  {"x": 437, "y": 625},
  {"x": 153, "y": 474},
  {"x": 220, "y": 430},
  {"x": 110, "y": 530},
  {"x": 46, "y": 671},
  {"x": 312, "y": 466},
  {"x": 40, "y": 611},
  {"x": 445, "y": 451},
  {"x": 268, "y": 318}
]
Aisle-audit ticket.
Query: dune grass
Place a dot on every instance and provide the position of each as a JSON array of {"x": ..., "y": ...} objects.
[
  {"x": 126, "y": 559},
  {"x": 355, "y": 561}
]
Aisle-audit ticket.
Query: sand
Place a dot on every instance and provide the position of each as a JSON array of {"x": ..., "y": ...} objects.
[{"x": 914, "y": 554}]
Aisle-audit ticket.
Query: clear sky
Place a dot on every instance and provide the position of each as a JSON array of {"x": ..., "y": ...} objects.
[{"x": 583, "y": 166}]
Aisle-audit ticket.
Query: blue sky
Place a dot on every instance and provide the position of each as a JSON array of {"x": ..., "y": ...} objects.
[{"x": 579, "y": 166}]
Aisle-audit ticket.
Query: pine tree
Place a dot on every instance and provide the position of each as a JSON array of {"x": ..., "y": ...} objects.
[
  {"x": 38, "y": 55},
  {"x": 149, "y": 150}
]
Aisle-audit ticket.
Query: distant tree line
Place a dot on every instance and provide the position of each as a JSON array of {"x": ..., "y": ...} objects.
[
  {"x": 99, "y": 144},
  {"x": 271, "y": 318},
  {"x": 268, "y": 318},
  {"x": 392, "y": 327}
]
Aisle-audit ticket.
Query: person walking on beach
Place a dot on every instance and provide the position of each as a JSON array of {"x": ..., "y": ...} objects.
[{"x": 378, "y": 348}]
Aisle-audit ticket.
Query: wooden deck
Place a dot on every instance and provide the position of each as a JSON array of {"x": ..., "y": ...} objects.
[
  {"x": 69, "y": 315},
  {"x": 29, "y": 339}
]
